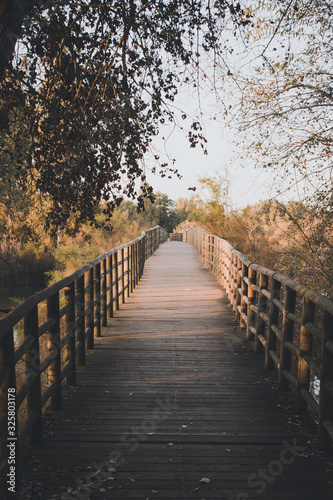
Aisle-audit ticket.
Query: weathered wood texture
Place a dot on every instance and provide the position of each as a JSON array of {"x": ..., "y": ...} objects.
[
  {"x": 295, "y": 332},
  {"x": 171, "y": 395},
  {"x": 66, "y": 317}
]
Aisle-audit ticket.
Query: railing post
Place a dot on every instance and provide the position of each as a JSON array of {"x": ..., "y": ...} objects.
[
  {"x": 32, "y": 363},
  {"x": 104, "y": 320},
  {"x": 128, "y": 270},
  {"x": 152, "y": 243},
  {"x": 123, "y": 275},
  {"x": 238, "y": 281},
  {"x": 232, "y": 298},
  {"x": 211, "y": 254},
  {"x": 218, "y": 260},
  {"x": 136, "y": 264},
  {"x": 116, "y": 278},
  {"x": 80, "y": 315},
  {"x": 287, "y": 336},
  {"x": 273, "y": 320},
  {"x": 54, "y": 370},
  {"x": 228, "y": 274},
  {"x": 142, "y": 254},
  {"x": 70, "y": 355},
  {"x": 244, "y": 296},
  {"x": 109, "y": 285},
  {"x": 251, "y": 298},
  {"x": 139, "y": 259},
  {"x": 262, "y": 306},
  {"x": 132, "y": 267},
  {"x": 145, "y": 249},
  {"x": 326, "y": 382},
  {"x": 90, "y": 318},
  {"x": 97, "y": 300},
  {"x": 8, "y": 389},
  {"x": 303, "y": 377},
  {"x": 207, "y": 251}
]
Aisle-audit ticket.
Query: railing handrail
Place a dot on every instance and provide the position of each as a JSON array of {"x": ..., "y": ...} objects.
[
  {"x": 255, "y": 294},
  {"x": 25, "y": 307},
  {"x": 316, "y": 297},
  {"x": 76, "y": 309}
]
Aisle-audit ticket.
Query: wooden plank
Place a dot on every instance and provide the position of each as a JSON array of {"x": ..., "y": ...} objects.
[{"x": 171, "y": 394}]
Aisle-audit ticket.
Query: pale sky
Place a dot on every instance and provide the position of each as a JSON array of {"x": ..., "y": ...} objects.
[{"x": 248, "y": 185}]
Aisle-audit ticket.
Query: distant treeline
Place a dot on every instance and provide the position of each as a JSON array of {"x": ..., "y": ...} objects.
[{"x": 292, "y": 239}]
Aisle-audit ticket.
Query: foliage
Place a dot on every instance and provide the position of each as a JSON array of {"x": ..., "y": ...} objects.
[
  {"x": 211, "y": 210},
  {"x": 285, "y": 109},
  {"x": 94, "y": 82},
  {"x": 307, "y": 252},
  {"x": 290, "y": 238},
  {"x": 25, "y": 266},
  {"x": 80, "y": 245}
]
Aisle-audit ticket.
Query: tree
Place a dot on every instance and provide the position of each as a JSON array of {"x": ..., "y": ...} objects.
[
  {"x": 212, "y": 212},
  {"x": 168, "y": 215},
  {"x": 12, "y": 15},
  {"x": 284, "y": 114},
  {"x": 286, "y": 105},
  {"x": 95, "y": 81}
]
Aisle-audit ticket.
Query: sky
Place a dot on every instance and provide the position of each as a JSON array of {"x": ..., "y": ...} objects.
[{"x": 248, "y": 185}]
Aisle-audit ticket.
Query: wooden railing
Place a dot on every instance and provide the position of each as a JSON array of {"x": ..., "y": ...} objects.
[
  {"x": 175, "y": 236},
  {"x": 58, "y": 324},
  {"x": 290, "y": 324}
]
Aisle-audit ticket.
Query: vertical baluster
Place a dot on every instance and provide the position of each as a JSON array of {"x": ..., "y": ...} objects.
[
  {"x": 303, "y": 378},
  {"x": 109, "y": 281},
  {"x": 139, "y": 259},
  {"x": 251, "y": 295},
  {"x": 80, "y": 315},
  {"x": 135, "y": 264},
  {"x": 218, "y": 261},
  {"x": 145, "y": 249},
  {"x": 244, "y": 295},
  {"x": 116, "y": 279},
  {"x": 226, "y": 271},
  {"x": 54, "y": 370},
  {"x": 104, "y": 320},
  {"x": 222, "y": 264},
  {"x": 7, "y": 361},
  {"x": 211, "y": 254},
  {"x": 90, "y": 318},
  {"x": 287, "y": 336},
  {"x": 215, "y": 260},
  {"x": 273, "y": 320},
  {"x": 97, "y": 300},
  {"x": 228, "y": 274},
  {"x": 128, "y": 269},
  {"x": 262, "y": 307},
  {"x": 70, "y": 355},
  {"x": 132, "y": 267},
  {"x": 326, "y": 380},
  {"x": 32, "y": 363},
  {"x": 123, "y": 275},
  {"x": 235, "y": 279},
  {"x": 143, "y": 254}
]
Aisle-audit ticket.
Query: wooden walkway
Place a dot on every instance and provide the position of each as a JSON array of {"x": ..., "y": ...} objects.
[{"x": 172, "y": 404}]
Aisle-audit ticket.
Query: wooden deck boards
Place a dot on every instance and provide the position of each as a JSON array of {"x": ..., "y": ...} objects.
[{"x": 170, "y": 396}]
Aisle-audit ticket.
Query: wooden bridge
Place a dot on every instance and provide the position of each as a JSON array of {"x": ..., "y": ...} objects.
[{"x": 166, "y": 396}]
